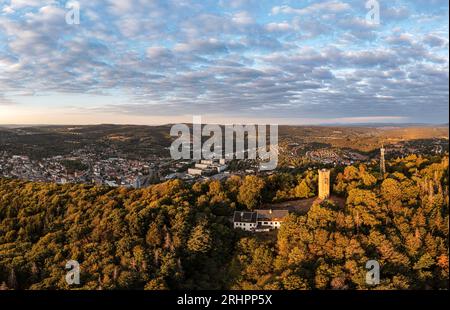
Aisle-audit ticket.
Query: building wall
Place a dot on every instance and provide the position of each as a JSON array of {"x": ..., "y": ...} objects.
[
  {"x": 207, "y": 161},
  {"x": 273, "y": 224},
  {"x": 244, "y": 226},
  {"x": 222, "y": 168},
  {"x": 201, "y": 166},
  {"x": 324, "y": 183},
  {"x": 194, "y": 171}
]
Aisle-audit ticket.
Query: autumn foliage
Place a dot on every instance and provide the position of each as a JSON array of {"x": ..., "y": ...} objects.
[{"x": 179, "y": 236}]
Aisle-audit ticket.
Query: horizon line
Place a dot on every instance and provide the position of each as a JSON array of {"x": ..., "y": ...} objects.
[{"x": 366, "y": 124}]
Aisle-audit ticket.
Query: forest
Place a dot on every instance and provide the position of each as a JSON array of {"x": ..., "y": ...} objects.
[{"x": 175, "y": 235}]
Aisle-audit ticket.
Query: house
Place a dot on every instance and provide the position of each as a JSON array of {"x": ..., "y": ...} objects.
[
  {"x": 271, "y": 218},
  {"x": 195, "y": 171},
  {"x": 244, "y": 220},
  {"x": 201, "y": 166},
  {"x": 259, "y": 220},
  {"x": 207, "y": 167},
  {"x": 221, "y": 168}
]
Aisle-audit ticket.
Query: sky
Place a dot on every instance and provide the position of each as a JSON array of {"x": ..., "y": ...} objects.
[{"x": 236, "y": 61}]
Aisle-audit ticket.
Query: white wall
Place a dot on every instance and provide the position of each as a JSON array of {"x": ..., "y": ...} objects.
[
  {"x": 245, "y": 226},
  {"x": 273, "y": 224}
]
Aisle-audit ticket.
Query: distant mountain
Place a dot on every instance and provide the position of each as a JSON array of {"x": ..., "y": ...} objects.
[{"x": 403, "y": 125}]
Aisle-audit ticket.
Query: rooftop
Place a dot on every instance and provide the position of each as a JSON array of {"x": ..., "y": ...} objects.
[
  {"x": 271, "y": 215},
  {"x": 244, "y": 216}
]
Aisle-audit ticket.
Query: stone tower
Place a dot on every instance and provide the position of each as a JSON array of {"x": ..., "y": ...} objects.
[
  {"x": 382, "y": 163},
  {"x": 324, "y": 183}
]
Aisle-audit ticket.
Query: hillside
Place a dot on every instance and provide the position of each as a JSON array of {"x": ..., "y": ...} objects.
[{"x": 178, "y": 236}]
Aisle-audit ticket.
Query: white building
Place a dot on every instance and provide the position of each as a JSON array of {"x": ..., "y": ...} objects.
[
  {"x": 271, "y": 218},
  {"x": 207, "y": 167},
  {"x": 259, "y": 220},
  {"x": 201, "y": 166},
  {"x": 221, "y": 168},
  {"x": 195, "y": 171},
  {"x": 207, "y": 161},
  {"x": 244, "y": 220}
]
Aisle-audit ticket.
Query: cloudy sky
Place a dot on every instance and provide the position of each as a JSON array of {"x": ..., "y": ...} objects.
[{"x": 297, "y": 62}]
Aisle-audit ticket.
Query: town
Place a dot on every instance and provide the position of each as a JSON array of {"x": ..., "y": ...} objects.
[
  {"x": 94, "y": 165},
  {"x": 84, "y": 166}
]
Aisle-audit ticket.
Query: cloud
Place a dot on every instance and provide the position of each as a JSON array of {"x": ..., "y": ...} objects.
[
  {"x": 20, "y": 4},
  {"x": 8, "y": 10},
  {"x": 402, "y": 39},
  {"x": 434, "y": 40},
  {"x": 242, "y": 18},
  {"x": 6, "y": 101},
  {"x": 394, "y": 14},
  {"x": 323, "y": 7},
  {"x": 206, "y": 46},
  {"x": 239, "y": 57},
  {"x": 278, "y": 27}
]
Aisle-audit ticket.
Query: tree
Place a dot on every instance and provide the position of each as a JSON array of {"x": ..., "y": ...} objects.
[
  {"x": 200, "y": 239},
  {"x": 250, "y": 193},
  {"x": 302, "y": 190},
  {"x": 294, "y": 282},
  {"x": 171, "y": 235},
  {"x": 364, "y": 208},
  {"x": 391, "y": 191}
]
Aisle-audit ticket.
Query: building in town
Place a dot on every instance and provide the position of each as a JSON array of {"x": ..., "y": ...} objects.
[
  {"x": 208, "y": 167},
  {"x": 195, "y": 171}
]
